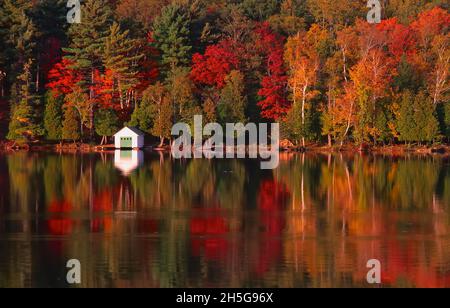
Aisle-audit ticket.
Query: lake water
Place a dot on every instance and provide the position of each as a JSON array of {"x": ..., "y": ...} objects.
[{"x": 144, "y": 220}]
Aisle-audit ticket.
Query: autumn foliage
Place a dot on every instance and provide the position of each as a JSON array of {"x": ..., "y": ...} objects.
[{"x": 320, "y": 69}]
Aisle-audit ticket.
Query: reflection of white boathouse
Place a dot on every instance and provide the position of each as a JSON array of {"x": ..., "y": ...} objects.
[{"x": 128, "y": 161}]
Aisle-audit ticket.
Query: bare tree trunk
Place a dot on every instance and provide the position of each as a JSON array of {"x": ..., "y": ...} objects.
[
  {"x": 303, "y": 115},
  {"x": 119, "y": 84},
  {"x": 37, "y": 78},
  {"x": 330, "y": 139},
  {"x": 161, "y": 144},
  {"x": 91, "y": 109},
  {"x": 2, "y": 87},
  {"x": 349, "y": 123},
  {"x": 344, "y": 58}
]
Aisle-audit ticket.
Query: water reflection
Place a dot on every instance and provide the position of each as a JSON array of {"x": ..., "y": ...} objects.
[
  {"x": 128, "y": 161},
  {"x": 313, "y": 222}
]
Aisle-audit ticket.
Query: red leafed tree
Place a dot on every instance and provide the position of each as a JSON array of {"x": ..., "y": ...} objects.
[
  {"x": 106, "y": 97},
  {"x": 429, "y": 24},
  {"x": 273, "y": 86},
  {"x": 211, "y": 68},
  {"x": 149, "y": 70},
  {"x": 399, "y": 38},
  {"x": 62, "y": 79}
]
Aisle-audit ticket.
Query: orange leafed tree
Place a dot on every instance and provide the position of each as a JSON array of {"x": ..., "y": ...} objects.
[
  {"x": 371, "y": 77},
  {"x": 432, "y": 55},
  {"x": 303, "y": 62}
]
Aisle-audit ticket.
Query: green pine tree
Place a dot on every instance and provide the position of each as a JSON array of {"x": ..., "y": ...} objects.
[
  {"x": 260, "y": 9},
  {"x": 87, "y": 47},
  {"x": 171, "y": 32},
  {"x": 427, "y": 125},
  {"x": 17, "y": 44},
  {"x": 17, "y": 33},
  {"x": 71, "y": 125},
  {"x": 405, "y": 118},
  {"x": 447, "y": 119},
  {"x": 24, "y": 125},
  {"x": 121, "y": 58},
  {"x": 143, "y": 116},
  {"x": 293, "y": 129},
  {"x": 382, "y": 133},
  {"x": 53, "y": 116},
  {"x": 106, "y": 124}
]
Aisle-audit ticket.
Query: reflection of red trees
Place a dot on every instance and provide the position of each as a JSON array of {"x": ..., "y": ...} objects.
[
  {"x": 58, "y": 225},
  {"x": 208, "y": 236},
  {"x": 273, "y": 195},
  {"x": 404, "y": 263},
  {"x": 148, "y": 226},
  {"x": 272, "y": 199},
  {"x": 103, "y": 205}
]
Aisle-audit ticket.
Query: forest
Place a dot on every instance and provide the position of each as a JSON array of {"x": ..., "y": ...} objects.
[{"x": 317, "y": 67}]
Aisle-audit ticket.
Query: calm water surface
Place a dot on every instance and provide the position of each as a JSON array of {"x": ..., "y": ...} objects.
[{"x": 144, "y": 220}]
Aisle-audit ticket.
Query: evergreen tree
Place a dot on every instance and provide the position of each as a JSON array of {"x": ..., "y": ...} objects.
[
  {"x": 293, "y": 129},
  {"x": 171, "y": 31},
  {"x": 106, "y": 124},
  {"x": 18, "y": 34},
  {"x": 17, "y": 46},
  {"x": 405, "y": 118},
  {"x": 447, "y": 120},
  {"x": 50, "y": 19},
  {"x": 260, "y": 9},
  {"x": 121, "y": 59},
  {"x": 142, "y": 117},
  {"x": 53, "y": 116},
  {"x": 381, "y": 127},
  {"x": 87, "y": 46},
  {"x": 426, "y": 123},
  {"x": 407, "y": 78},
  {"x": 71, "y": 125},
  {"x": 25, "y": 125}
]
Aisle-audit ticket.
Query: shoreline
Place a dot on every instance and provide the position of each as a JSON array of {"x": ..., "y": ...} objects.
[{"x": 394, "y": 150}]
